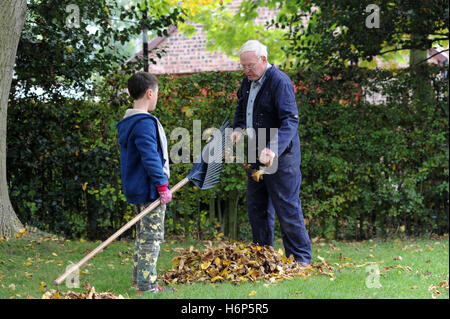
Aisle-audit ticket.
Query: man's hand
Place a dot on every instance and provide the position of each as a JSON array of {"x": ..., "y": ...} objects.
[
  {"x": 164, "y": 193},
  {"x": 266, "y": 157},
  {"x": 236, "y": 136}
]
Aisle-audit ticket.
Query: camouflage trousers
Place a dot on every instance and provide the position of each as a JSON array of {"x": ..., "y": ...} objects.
[{"x": 149, "y": 235}]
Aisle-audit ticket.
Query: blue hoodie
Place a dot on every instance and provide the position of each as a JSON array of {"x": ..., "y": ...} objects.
[{"x": 141, "y": 158}]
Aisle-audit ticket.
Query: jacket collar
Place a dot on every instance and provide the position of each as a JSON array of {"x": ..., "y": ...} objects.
[{"x": 267, "y": 74}]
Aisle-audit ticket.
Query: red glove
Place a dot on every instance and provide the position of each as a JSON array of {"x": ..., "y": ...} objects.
[{"x": 164, "y": 193}]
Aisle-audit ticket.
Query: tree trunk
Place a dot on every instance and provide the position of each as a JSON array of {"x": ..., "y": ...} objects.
[
  {"x": 220, "y": 215},
  {"x": 416, "y": 57},
  {"x": 12, "y": 18},
  {"x": 233, "y": 202},
  {"x": 212, "y": 214}
]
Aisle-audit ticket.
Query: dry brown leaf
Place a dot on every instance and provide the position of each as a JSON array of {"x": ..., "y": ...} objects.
[{"x": 257, "y": 175}]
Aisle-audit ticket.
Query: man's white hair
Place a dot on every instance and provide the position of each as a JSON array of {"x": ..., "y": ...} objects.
[{"x": 254, "y": 46}]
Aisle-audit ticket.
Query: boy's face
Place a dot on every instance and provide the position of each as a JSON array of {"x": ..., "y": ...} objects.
[{"x": 152, "y": 97}]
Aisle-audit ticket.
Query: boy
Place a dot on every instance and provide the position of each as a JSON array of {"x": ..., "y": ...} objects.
[{"x": 145, "y": 172}]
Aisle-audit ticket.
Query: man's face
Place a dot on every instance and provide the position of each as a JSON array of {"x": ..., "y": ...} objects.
[{"x": 253, "y": 66}]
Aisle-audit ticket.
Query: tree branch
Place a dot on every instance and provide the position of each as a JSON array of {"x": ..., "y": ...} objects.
[
  {"x": 438, "y": 39},
  {"x": 430, "y": 57},
  {"x": 397, "y": 49}
]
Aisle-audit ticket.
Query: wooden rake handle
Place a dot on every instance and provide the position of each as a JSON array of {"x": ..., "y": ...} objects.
[{"x": 152, "y": 206}]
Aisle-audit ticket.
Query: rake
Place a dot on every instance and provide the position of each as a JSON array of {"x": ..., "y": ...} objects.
[{"x": 204, "y": 174}]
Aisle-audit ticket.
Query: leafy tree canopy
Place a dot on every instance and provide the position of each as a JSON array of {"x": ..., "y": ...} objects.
[
  {"x": 355, "y": 31},
  {"x": 64, "y": 44},
  {"x": 323, "y": 32}
]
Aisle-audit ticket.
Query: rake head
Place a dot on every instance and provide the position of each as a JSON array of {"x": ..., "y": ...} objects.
[{"x": 206, "y": 170}]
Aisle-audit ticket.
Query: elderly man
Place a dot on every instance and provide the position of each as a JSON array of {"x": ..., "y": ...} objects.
[{"x": 266, "y": 101}]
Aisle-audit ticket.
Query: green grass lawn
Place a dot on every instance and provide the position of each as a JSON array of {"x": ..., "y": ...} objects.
[{"x": 407, "y": 269}]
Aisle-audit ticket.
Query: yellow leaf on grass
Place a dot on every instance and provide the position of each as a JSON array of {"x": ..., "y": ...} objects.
[
  {"x": 216, "y": 278},
  {"x": 27, "y": 263},
  {"x": 21, "y": 232},
  {"x": 54, "y": 254},
  {"x": 252, "y": 293},
  {"x": 56, "y": 295}
]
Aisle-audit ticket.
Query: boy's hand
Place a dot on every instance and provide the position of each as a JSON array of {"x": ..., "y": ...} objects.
[
  {"x": 166, "y": 197},
  {"x": 164, "y": 193}
]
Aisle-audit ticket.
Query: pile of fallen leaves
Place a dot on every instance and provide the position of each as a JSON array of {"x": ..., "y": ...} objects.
[
  {"x": 435, "y": 290},
  {"x": 237, "y": 263},
  {"x": 89, "y": 294}
]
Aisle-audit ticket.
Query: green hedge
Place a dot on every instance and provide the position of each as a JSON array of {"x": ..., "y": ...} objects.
[
  {"x": 369, "y": 169},
  {"x": 374, "y": 169},
  {"x": 63, "y": 169}
]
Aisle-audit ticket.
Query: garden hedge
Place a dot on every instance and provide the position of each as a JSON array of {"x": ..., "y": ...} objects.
[{"x": 375, "y": 159}]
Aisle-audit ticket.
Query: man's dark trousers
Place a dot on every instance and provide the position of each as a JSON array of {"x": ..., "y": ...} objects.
[{"x": 279, "y": 192}]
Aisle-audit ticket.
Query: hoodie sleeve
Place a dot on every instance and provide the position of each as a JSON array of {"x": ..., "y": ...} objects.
[{"x": 146, "y": 140}]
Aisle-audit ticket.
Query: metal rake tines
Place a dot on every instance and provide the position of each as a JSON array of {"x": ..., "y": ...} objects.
[
  {"x": 214, "y": 160},
  {"x": 212, "y": 176}
]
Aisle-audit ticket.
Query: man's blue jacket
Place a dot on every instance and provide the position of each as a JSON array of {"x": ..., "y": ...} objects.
[
  {"x": 141, "y": 158},
  {"x": 275, "y": 107}
]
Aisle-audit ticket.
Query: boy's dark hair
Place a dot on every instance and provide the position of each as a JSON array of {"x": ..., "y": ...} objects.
[{"x": 140, "y": 82}]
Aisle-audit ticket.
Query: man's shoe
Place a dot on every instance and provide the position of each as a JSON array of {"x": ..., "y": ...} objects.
[{"x": 302, "y": 264}]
